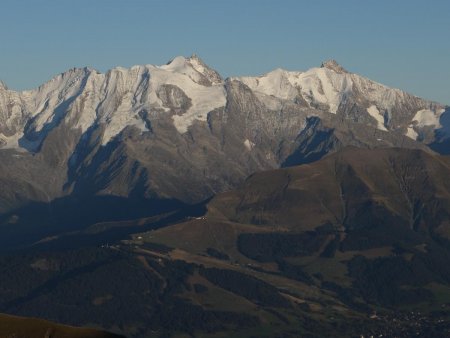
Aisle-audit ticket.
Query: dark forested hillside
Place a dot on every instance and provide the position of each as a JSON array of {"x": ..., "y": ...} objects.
[{"x": 313, "y": 250}]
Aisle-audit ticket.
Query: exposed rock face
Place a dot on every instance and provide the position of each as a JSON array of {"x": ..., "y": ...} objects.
[
  {"x": 334, "y": 66},
  {"x": 179, "y": 131},
  {"x": 174, "y": 98}
]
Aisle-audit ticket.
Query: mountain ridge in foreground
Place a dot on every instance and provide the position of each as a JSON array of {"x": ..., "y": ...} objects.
[
  {"x": 369, "y": 226},
  {"x": 19, "y": 327},
  {"x": 314, "y": 250}
]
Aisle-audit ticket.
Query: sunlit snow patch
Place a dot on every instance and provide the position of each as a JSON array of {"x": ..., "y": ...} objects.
[{"x": 375, "y": 113}]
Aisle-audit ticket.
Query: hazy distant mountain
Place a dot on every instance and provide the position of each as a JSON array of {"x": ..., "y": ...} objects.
[{"x": 181, "y": 132}]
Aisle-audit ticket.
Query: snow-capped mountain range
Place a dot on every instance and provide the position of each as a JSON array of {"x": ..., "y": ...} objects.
[
  {"x": 182, "y": 131},
  {"x": 331, "y": 86},
  {"x": 83, "y": 97}
]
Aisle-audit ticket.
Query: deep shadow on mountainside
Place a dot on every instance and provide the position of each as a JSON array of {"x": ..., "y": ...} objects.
[{"x": 73, "y": 222}]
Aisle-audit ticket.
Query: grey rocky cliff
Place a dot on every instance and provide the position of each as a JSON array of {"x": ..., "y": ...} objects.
[{"x": 334, "y": 66}]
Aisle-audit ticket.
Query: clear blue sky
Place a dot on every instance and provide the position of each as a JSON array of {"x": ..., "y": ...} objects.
[{"x": 401, "y": 43}]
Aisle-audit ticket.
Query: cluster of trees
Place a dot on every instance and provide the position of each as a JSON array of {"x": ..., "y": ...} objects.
[
  {"x": 269, "y": 247},
  {"x": 246, "y": 286},
  {"x": 110, "y": 288}
]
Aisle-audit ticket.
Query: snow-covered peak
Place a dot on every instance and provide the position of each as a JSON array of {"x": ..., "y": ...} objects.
[
  {"x": 195, "y": 68},
  {"x": 332, "y": 89},
  {"x": 333, "y": 65},
  {"x": 201, "y": 67},
  {"x": 275, "y": 83},
  {"x": 43, "y": 101},
  {"x": 186, "y": 89},
  {"x": 177, "y": 64},
  {"x": 328, "y": 85},
  {"x": 60, "y": 84},
  {"x": 316, "y": 86},
  {"x": 197, "y": 81}
]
